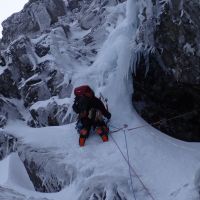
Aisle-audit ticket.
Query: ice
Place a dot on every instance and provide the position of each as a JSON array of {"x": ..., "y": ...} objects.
[{"x": 168, "y": 168}]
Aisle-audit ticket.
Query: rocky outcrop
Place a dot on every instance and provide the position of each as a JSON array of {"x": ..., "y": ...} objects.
[
  {"x": 8, "y": 144},
  {"x": 10, "y": 194},
  {"x": 48, "y": 114},
  {"x": 46, "y": 171},
  {"x": 8, "y": 87},
  {"x": 37, "y": 16},
  {"x": 8, "y": 111},
  {"x": 30, "y": 79},
  {"x": 167, "y": 75},
  {"x": 45, "y": 168},
  {"x": 42, "y": 52}
]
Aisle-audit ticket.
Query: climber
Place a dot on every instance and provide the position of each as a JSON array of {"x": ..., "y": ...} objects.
[
  {"x": 2, "y": 60},
  {"x": 90, "y": 112}
]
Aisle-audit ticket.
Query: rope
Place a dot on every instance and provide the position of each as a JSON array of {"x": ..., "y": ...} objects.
[
  {"x": 127, "y": 152},
  {"x": 151, "y": 124},
  {"x": 127, "y": 160},
  {"x": 143, "y": 185}
]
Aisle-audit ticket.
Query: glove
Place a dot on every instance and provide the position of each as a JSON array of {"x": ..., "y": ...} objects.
[{"x": 108, "y": 115}]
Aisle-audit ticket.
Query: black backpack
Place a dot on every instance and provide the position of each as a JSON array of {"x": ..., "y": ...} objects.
[{"x": 81, "y": 104}]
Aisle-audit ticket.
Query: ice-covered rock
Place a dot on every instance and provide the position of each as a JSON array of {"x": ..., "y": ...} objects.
[
  {"x": 45, "y": 169},
  {"x": 31, "y": 78},
  {"x": 8, "y": 144},
  {"x": 49, "y": 113},
  {"x": 36, "y": 17},
  {"x": 22, "y": 58},
  {"x": 167, "y": 81},
  {"x": 44, "y": 49},
  {"x": 8, "y": 111},
  {"x": 34, "y": 91},
  {"x": 8, "y": 87}
]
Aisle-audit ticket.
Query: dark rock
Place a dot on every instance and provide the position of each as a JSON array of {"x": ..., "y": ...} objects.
[
  {"x": 55, "y": 79},
  {"x": 8, "y": 111},
  {"x": 8, "y": 144},
  {"x": 88, "y": 39},
  {"x": 157, "y": 96},
  {"x": 3, "y": 121},
  {"x": 50, "y": 114},
  {"x": 45, "y": 170},
  {"x": 8, "y": 87},
  {"x": 73, "y": 4},
  {"x": 23, "y": 58},
  {"x": 37, "y": 16},
  {"x": 65, "y": 90},
  {"x": 33, "y": 92},
  {"x": 2, "y": 61},
  {"x": 41, "y": 50},
  {"x": 167, "y": 79}
]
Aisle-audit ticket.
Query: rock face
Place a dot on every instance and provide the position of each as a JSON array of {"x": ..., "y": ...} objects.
[
  {"x": 37, "y": 16},
  {"x": 42, "y": 50},
  {"x": 28, "y": 79},
  {"x": 167, "y": 78},
  {"x": 9, "y": 111},
  {"x": 51, "y": 114},
  {"x": 45, "y": 169},
  {"x": 8, "y": 144}
]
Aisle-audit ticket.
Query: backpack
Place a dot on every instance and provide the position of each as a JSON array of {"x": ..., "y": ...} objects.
[{"x": 83, "y": 95}]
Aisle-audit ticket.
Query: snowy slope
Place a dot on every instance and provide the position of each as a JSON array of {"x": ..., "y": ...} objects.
[{"x": 161, "y": 168}]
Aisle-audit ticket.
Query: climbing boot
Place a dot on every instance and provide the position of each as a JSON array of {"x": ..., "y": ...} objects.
[
  {"x": 82, "y": 141},
  {"x": 104, "y": 137}
]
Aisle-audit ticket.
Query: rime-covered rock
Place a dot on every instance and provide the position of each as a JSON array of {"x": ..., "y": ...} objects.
[
  {"x": 49, "y": 113},
  {"x": 34, "y": 91},
  {"x": 46, "y": 170},
  {"x": 8, "y": 87},
  {"x": 37, "y": 16},
  {"x": 167, "y": 78},
  {"x": 8, "y": 111},
  {"x": 22, "y": 58},
  {"x": 8, "y": 144}
]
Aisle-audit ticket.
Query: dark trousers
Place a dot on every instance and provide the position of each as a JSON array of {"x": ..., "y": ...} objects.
[{"x": 85, "y": 124}]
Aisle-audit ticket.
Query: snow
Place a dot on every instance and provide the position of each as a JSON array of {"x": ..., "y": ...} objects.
[
  {"x": 39, "y": 104},
  {"x": 2, "y": 69},
  {"x": 169, "y": 168},
  {"x": 17, "y": 173},
  {"x": 13, "y": 173},
  {"x": 4, "y": 165},
  {"x": 188, "y": 49}
]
